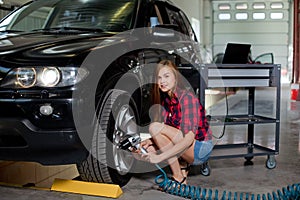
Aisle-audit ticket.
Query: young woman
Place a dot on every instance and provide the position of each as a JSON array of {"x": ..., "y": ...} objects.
[{"x": 180, "y": 133}]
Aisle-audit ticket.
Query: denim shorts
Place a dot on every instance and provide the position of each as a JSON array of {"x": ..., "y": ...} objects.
[{"x": 202, "y": 151}]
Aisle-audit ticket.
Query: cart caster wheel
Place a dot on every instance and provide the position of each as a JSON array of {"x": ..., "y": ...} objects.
[
  {"x": 271, "y": 162},
  {"x": 205, "y": 169}
]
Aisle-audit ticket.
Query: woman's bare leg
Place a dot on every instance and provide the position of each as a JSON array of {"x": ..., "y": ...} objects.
[
  {"x": 186, "y": 159},
  {"x": 165, "y": 137}
]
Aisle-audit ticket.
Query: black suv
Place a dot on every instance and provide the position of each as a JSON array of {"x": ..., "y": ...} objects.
[{"x": 76, "y": 79}]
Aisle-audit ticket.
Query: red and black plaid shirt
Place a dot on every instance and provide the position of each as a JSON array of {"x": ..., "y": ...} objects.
[{"x": 185, "y": 112}]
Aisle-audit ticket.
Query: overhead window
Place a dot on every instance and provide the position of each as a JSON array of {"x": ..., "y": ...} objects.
[
  {"x": 224, "y": 16},
  {"x": 241, "y": 16},
  {"x": 259, "y": 5},
  {"x": 224, "y": 6},
  {"x": 259, "y": 15},
  {"x": 241, "y": 6},
  {"x": 276, "y": 5},
  {"x": 277, "y": 15}
]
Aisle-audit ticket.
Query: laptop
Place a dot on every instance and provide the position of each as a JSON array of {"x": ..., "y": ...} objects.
[{"x": 236, "y": 53}]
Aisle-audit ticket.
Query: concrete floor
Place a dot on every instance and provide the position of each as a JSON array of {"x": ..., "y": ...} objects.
[{"x": 228, "y": 174}]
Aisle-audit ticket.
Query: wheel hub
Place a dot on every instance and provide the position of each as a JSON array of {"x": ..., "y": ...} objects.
[{"x": 125, "y": 126}]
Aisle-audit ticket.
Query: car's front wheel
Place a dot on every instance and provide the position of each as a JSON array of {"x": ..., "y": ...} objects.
[{"x": 116, "y": 121}]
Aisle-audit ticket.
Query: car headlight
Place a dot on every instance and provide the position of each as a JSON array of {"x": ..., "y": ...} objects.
[
  {"x": 27, "y": 77},
  {"x": 50, "y": 77}
]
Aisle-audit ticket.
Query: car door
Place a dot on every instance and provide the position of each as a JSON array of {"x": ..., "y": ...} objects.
[{"x": 266, "y": 58}]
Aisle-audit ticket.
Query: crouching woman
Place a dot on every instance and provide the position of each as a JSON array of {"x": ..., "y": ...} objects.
[{"x": 180, "y": 133}]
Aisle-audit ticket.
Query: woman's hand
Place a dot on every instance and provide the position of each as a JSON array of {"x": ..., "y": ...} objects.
[
  {"x": 152, "y": 157},
  {"x": 146, "y": 143}
]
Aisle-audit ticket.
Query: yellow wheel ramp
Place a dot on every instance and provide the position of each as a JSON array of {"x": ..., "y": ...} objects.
[{"x": 87, "y": 188}]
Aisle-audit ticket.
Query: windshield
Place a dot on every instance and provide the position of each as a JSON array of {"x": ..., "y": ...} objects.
[{"x": 104, "y": 15}]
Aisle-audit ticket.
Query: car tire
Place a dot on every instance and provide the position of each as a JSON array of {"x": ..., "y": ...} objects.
[{"x": 117, "y": 117}]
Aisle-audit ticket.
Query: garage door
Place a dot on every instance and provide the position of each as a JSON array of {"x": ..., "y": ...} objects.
[{"x": 263, "y": 24}]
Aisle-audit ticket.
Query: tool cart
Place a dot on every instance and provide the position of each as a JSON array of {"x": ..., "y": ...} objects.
[{"x": 249, "y": 77}]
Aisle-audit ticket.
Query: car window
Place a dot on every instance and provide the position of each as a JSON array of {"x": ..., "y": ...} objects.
[
  {"x": 190, "y": 30},
  {"x": 152, "y": 11},
  {"x": 107, "y": 15},
  {"x": 34, "y": 20},
  {"x": 266, "y": 58},
  {"x": 176, "y": 19}
]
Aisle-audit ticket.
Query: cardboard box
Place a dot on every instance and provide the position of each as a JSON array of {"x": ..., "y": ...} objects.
[{"x": 34, "y": 174}]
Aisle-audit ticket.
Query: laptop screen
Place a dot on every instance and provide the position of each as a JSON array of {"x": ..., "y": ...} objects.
[{"x": 236, "y": 53}]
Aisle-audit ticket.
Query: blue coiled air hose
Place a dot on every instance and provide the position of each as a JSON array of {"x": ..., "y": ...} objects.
[{"x": 291, "y": 192}]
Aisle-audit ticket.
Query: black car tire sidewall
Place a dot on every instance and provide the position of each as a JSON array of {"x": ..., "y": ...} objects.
[{"x": 99, "y": 165}]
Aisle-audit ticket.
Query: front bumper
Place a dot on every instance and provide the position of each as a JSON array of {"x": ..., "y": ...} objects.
[
  {"x": 20, "y": 140},
  {"x": 27, "y": 135}
]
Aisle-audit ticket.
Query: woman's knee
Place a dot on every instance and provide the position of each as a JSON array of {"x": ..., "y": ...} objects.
[{"x": 155, "y": 128}]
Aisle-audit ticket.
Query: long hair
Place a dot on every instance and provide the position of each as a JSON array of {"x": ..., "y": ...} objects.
[{"x": 157, "y": 95}]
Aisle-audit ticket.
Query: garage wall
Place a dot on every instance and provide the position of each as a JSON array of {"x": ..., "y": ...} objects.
[
  {"x": 266, "y": 25},
  {"x": 4, "y": 10},
  {"x": 7, "y": 6}
]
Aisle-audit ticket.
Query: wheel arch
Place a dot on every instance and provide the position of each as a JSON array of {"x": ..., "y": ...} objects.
[{"x": 120, "y": 75}]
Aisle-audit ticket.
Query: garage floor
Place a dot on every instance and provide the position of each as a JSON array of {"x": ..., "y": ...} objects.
[{"x": 227, "y": 174}]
